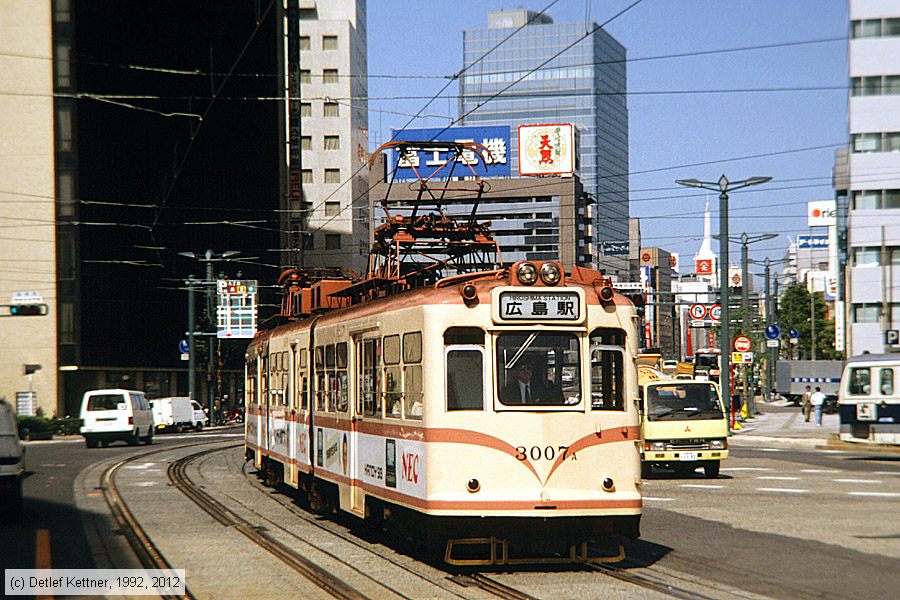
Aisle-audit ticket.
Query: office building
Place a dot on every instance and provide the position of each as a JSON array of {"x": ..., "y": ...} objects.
[
  {"x": 131, "y": 133},
  {"x": 584, "y": 86},
  {"x": 334, "y": 135},
  {"x": 867, "y": 178}
]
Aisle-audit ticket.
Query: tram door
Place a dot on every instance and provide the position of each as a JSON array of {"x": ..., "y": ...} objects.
[{"x": 367, "y": 460}]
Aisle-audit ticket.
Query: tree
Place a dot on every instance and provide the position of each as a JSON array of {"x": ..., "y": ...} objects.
[{"x": 794, "y": 313}]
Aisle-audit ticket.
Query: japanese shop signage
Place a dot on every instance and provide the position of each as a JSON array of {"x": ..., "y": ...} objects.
[
  {"x": 547, "y": 149},
  {"x": 494, "y": 163}
]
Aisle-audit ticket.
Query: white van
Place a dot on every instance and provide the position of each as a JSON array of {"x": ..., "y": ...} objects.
[
  {"x": 178, "y": 412},
  {"x": 12, "y": 459},
  {"x": 110, "y": 415}
]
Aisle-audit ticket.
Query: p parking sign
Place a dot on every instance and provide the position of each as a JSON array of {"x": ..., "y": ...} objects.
[{"x": 892, "y": 337}]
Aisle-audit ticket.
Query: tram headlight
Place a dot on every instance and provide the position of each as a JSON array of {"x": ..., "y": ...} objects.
[
  {"x": 470, "y": 295},
  {"x": 655, "y": 446},
  {"x": 473, "y": 485},
  {"x": 550, "y": 273},
  {"x": 608, "y": 485},
  {"x": 718, "y": 444},
  {"x": 527, "y": 274}
]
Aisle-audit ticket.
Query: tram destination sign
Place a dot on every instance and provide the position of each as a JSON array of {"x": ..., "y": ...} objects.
[{"x": 540, "y": 306}]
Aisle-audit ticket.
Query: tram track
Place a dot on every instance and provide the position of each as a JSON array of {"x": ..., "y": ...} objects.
[{"x": 143, "y": 546}]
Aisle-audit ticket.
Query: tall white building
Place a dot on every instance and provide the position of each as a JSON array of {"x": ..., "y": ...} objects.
[
  {"x": 867, "y": 178},
  {"x": 334, "y": 133}
]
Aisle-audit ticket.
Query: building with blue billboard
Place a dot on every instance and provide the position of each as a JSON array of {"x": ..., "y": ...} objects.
[{"x": 585, "y": 85}]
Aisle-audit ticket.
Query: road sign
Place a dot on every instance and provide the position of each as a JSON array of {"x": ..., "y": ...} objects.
[
  {"x": 891, "y": 337},
  {"x": 698, "y": 311},
  {"x": 793, "y": 334},
  {"x": 772, "y": 332},
  {"x": 183, "y": 346},
  {"x": 742, "y": 358},
  {"x": 715, "y": 312},
  {"x": 742, "y": 344},
  {"x": 771, "y": 343}
]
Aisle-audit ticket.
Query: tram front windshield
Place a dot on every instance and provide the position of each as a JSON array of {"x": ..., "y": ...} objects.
[
  {"x": 677, "y": 401},
  {"x": 542, "y": 368}
]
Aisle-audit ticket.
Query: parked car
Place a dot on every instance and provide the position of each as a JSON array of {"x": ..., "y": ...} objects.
[
  {"x": 12, "y": 459},
  {"x": 116, "y": 414}
]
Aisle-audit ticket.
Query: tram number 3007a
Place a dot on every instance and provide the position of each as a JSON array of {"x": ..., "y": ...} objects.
[{"x": 546, "y": 453}]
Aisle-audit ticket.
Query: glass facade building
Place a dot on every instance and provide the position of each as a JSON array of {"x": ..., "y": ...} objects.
[{"x": 585, "y": 85}]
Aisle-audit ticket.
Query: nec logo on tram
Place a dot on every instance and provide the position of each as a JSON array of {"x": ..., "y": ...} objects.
[{"x": 410, "y": 464}]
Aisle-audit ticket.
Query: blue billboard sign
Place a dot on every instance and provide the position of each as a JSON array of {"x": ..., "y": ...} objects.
[
  {"x": 812, "y": 241},
  {"x": 494, "y": 137},
  {"x": 610, "y": 248}
]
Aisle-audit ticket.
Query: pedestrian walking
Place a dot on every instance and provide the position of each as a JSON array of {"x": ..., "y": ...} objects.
[
  {"x": 817, "y": 400},
  {"x": 806, "y": 407}
]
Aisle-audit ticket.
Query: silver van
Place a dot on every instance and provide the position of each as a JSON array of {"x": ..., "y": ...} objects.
[{"x": 110, "y": 415}]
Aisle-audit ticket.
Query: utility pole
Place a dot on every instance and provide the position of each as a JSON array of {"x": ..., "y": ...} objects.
[
  {"x": 812, "y": 322},
  {"x": 192, "y": 344},
  {"x": 769, "y": 321}
]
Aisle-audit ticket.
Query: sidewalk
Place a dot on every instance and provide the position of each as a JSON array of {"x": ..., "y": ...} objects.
[{"x": 781, "y": 422}]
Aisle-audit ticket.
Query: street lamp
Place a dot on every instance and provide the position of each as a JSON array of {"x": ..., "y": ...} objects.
[
  {"x": 723, "y": 186},
  {"x": 209, "y": 257}
]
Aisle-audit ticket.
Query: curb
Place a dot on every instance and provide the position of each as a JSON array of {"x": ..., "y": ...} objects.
[{"x": 735, "y": 440}]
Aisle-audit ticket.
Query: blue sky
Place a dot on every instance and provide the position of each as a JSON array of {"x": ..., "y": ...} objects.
[{"x": 714, "y": 116}]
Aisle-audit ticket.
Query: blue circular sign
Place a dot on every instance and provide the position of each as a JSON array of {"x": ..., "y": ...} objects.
[
  {"x": 772, "y": 332},
  {"x": 184, "y": 347},
  {"x": 793, "y": 334}
]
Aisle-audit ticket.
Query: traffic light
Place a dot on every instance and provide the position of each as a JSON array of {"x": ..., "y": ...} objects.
[{"x": 25, "y": 310}]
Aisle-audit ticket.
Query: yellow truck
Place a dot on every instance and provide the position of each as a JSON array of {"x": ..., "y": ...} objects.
[{"x": 683, "y": 424}]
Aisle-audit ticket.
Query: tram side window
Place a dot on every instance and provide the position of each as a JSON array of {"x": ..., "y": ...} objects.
[
  {"x": 887, "y": 382},
  {"x": 251, "y": 382},
  {"x": 607, "y": 369},
  {"x": 860, "y": 381},
  {"x": 465, "y": 384},
  {"x": 264, "y": 380},
  {"x": 369, "y": 353},
  {"x": 339, "y": 384},
  {"x": 321, "y": 379},
  {"x": 302, "y": 379},
  {"x": 412, "y": 375},
  {"x": 391, "y": 394},
  {"x": 285, "y": 379}
]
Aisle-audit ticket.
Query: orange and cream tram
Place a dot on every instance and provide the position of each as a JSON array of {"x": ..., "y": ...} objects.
[{"x": 490, "y": 414}]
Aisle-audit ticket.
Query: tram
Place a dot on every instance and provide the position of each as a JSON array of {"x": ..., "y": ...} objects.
[
  {"x": 869, "y": 401},
  {"x": 486, "y": 412}
]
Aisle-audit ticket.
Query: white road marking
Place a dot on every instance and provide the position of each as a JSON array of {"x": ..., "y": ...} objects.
[
  {"x": 833, "y": 452},
  {"x": 146, "y": 483},
  {"x": 856, "y": 480},
  {"x": 746, "y": 469},
  {"x": 702, "y": 486},
  {"x": 886, "y": 473},
  {"x": 54, "y": 465},
  {"x": 652, "y": 499},
  {"x": 780, "y": 478},
  {"x": 782, "y": 490},
  {"x": 878, "y": 494},
  {"x": 820, "y": 471},
  {"x": 141, "y": 466},
  {"x": 769, "y": 449}
]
